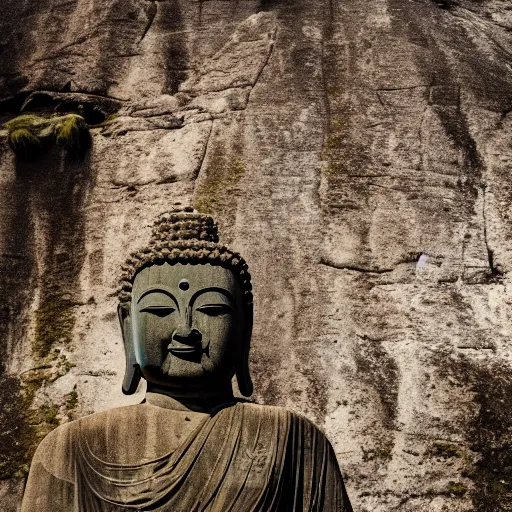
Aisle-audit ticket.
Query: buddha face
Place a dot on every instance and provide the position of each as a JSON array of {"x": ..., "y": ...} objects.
[{"x": 187, "y": 323}]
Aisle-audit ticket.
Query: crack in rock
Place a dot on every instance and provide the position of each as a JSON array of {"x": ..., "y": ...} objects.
[{"x": 354, "y": 268}]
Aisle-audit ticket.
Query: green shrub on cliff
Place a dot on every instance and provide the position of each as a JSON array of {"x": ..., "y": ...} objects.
[{"x": 29, "y": 135}]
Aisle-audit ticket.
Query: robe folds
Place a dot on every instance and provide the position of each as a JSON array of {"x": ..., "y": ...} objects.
[{"x": 244, "y": 458}]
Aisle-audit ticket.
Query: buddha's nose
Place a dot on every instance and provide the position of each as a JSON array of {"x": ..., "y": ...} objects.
[{"x": 187, "y": 336}]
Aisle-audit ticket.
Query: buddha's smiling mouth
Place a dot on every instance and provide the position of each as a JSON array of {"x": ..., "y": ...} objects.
[
  {"x": 185, "y": 350},
  {"x": 188, "y": 352}
]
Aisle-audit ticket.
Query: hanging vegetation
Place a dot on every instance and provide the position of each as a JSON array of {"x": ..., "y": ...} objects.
[{"x": 30, "y": 135}]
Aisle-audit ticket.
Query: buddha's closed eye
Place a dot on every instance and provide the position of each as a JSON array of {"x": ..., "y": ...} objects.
[
  {"x": 158, "y": 310},
  {"x": 215, "y": 309}
]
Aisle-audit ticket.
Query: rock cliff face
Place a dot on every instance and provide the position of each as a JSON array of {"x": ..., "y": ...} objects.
[{"x": 357, "y": 153}]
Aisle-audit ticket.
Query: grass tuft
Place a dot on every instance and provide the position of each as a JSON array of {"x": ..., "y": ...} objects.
[
  {"x": 24, "y": 143},
  {"x": 29, "y": 135},
  {"x": 27, "y": 121},
  {"x": 72, "y": 133}
]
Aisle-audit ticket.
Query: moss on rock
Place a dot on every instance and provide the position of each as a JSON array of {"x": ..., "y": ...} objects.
[
  {"x": 71, "y": 400},
  {"x": 54, "y": 323},
  {"x": 489, "y": 429},
  {"x": 24, "y": 425},
  {"x": 48, "y": 414},
  {"x": 445, "y": 450},
  {"x": 214, "y": 193},
  {"x": 384, "y": 453}
]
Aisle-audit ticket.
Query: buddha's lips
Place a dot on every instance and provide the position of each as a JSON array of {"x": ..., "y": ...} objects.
[{"x": 184, "y": 350}]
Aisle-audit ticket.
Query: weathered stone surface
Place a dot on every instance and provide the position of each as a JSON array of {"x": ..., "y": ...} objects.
[{"x": 358, "y": 155}]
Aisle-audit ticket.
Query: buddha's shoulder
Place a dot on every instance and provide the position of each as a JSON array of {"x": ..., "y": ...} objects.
[
  {"x": 134, "y": 421},
  {"x": 100, "y": 430},
  {"x": 129, "y": 418},
  {"x": 273, "y": 409},
  {"x": 117, "y": 416},
  {"x": 279, "y": 412},
  {"x": 63, "y": 434}
]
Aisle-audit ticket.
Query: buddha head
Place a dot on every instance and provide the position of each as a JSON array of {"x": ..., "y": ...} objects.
[{"x": 186, "y": 310}]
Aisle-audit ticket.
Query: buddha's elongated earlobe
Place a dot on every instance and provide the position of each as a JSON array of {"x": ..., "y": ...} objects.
[
  {"x": 242, "y": 372},
  {"x": 132, "y": 373}
]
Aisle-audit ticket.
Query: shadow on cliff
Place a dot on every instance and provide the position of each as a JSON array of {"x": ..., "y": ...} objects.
[
  {"x": 487, "y": 429},
  {"x": 18, "y": 270},
  {"x": 175, "y": 54},
  {"x": 44, "y": 251}
]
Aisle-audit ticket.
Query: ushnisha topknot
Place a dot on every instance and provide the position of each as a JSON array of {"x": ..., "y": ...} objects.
[{"x": 184, "y": 236}]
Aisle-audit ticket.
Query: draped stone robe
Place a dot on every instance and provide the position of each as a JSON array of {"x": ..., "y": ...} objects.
[{"x": 244, "y": 458}]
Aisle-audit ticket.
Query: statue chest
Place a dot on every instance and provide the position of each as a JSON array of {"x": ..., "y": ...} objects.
[{"x": 139, "y": 434}]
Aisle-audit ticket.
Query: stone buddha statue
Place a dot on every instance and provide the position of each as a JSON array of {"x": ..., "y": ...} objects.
[{"x": 186, "y": 316}]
